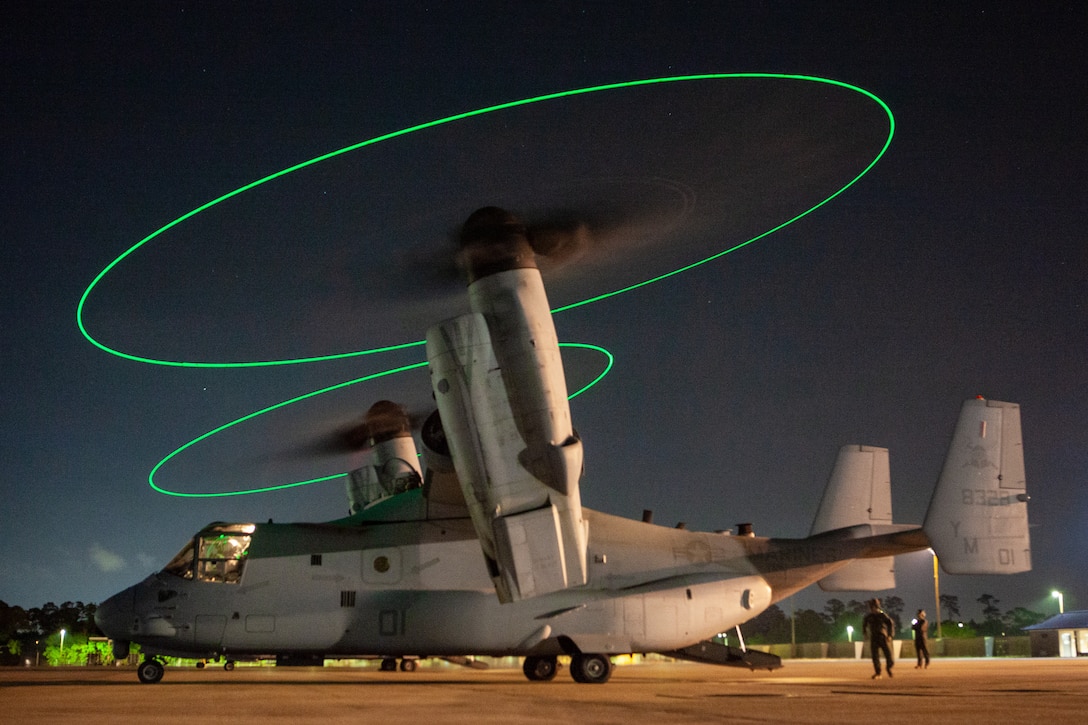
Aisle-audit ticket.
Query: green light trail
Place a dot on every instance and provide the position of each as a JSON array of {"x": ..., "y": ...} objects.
[
  {"x": 81, "y": 307},
  {"x": 609, "y": 361},
  {"x": 450, "y": 119}
]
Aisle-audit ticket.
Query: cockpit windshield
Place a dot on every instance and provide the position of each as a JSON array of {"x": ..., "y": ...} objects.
[
  {"x": 217, "y": 554},
  {"x": 182, "y": 563}
]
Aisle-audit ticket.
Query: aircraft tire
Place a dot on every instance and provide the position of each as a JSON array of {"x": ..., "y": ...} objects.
[
  {"x": 408, "y": 665},
  {"x": 228, "y": 665},
  {"x": 150, "y": 671},
  {"x": 540, "y": 669},
  {"x": 593, "y": 669},
  {"x": 389, "y": 664}
]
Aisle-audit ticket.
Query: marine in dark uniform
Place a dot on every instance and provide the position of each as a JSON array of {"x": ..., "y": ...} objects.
[
  {"x": 919, "y": 627},
  {"x": 880, "y": 628}
]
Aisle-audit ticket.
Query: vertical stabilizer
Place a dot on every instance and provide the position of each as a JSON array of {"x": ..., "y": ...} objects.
[
  {"x": 859, "y": 491},
  {"x": 977, "y": 521}
]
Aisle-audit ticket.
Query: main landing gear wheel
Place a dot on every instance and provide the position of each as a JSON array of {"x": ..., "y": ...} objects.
[
  {"x": 540, "y": 669},
  {"x": 150, "y": 671},
  {"x": 594, "y": 669},
  {"x": 228, "y": 665},
  {"x": 389, "y": 664},
  {"x": 407, "y": 665}
]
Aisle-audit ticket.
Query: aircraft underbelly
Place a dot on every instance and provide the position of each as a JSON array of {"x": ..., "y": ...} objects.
[{"x": 670, "y": 619}]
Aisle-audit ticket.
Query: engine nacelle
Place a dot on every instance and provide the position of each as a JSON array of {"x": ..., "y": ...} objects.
[
  {"x": 498, "y": 381},
  {"x": 393, "y": 465}
]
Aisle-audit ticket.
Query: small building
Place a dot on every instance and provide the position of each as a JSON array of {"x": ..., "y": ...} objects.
[{"x": 1063, "y": 635}]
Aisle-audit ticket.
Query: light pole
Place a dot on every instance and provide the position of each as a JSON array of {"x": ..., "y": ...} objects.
[
  {"x": 61, "y": 661},
  {"x": 850, "y": 633},
  {"x": 793, "y": 633},
  {"x": 1061, "y": 600},
  {"x": 936, "y": 592}
]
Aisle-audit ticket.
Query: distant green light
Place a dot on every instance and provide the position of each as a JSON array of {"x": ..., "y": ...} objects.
[{"x": 609, "y": 360}]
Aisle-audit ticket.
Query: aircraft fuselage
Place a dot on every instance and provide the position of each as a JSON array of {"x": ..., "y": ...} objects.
[{"x": 420, "y": 588}]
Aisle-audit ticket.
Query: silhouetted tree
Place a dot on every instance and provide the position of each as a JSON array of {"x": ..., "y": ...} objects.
[
  {"x": 835, "y": 609},
  {"x": 1018, "y": 618},
  {"x": 893, "y": 606},
  {"x": 858, "y": 608},
  {"x": 951, "y": 605},
  {"x": 74, "y": 617},
  {"x": 771, "y": 626},
  {"x": 810, "y": 626},
  {"x": 840, "y": 615},
  {"x": 13, "y": 621},
  {"x": 991, "y": 616}
]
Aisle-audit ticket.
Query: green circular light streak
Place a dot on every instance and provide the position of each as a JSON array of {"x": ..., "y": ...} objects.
[
  {"x": 340, "y": 356},
  {"x": 451, "y": 119},
  {"x": 609, "y": 361}
]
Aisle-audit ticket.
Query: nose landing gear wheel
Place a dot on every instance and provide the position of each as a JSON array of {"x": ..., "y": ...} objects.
[{"x": 150, "y": 671}]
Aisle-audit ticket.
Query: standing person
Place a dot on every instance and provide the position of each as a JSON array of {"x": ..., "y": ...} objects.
[
  {"x": 919, "y": 627},
  {"x": 880, "y": 628}
]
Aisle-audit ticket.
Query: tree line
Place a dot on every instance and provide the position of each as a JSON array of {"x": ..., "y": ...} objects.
[
  {"x": 33, "y": 636},
  {"x": 774, "y": 625}
]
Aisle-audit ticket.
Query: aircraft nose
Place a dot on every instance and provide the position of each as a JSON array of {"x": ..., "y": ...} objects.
[{"x": 115, "y": 615}]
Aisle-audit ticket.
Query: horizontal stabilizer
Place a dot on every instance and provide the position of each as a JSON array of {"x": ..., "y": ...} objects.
[
  {"x": 859, "y": 491},
  {"x": 977, "y": 521},
  {"x": 862, "y": 575}
]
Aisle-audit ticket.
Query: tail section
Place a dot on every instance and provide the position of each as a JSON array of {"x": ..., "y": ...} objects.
[
  {"x": 977, "y": 521},
  {"x": 858, "y": 492}
]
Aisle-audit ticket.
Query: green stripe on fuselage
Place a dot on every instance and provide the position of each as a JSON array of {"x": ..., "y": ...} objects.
[{"x": 396, "y": 521}]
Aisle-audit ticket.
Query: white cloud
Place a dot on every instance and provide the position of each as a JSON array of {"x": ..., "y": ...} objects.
[{"x": 105, "y": 560}]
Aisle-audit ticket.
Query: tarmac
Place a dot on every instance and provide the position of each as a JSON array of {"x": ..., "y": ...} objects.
[{"x": 992, "y": 690}]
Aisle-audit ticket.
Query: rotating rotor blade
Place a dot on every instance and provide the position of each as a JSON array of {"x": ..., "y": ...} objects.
[{"x": 384, "y": 420}]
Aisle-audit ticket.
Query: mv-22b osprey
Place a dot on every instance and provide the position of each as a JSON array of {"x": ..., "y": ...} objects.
[{"x": 403, "y": 576}]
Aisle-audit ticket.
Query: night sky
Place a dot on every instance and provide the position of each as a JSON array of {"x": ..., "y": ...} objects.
[{"x": 956, "y": 267}]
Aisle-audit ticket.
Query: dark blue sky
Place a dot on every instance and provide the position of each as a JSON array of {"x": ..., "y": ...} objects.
[{"x": 956, "y": 267}]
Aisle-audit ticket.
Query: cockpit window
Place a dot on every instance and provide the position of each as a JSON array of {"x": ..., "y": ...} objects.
[
  {"x": 217, "y": 554},
  {"x": 182, "y": 563},
  {"x": 221, "y": 557}
]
